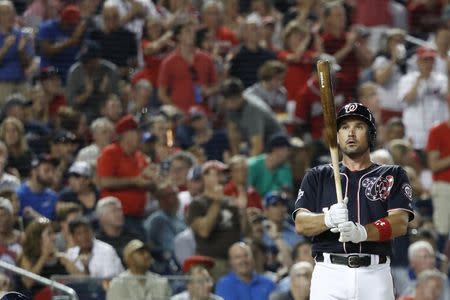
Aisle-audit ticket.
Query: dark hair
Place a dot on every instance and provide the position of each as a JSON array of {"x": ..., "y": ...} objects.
[
  {"x": 297, "y": 246},
  {"x": 232, "y": 87},
  {"x": 66, "y": 209},
  {"x": 184, "y": 156},
  {"x": 200, "y": 37},
  {"x": 80, "y": 221}
]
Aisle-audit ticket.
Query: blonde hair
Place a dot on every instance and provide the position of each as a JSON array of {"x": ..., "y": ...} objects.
[
  {"x": 292, "y": 27},
  {"x": 22, "y": 143}
]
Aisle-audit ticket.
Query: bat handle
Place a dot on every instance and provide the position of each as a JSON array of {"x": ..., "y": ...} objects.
[{"x": 337, "y": 176}]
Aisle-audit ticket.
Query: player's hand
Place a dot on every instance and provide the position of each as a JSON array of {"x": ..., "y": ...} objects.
[
  {"x": 352, "y": 232},
  {"x": 336, "y": 214}
]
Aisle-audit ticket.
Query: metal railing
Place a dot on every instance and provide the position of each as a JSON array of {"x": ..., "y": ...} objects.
[{"x": 45, "y": 281}]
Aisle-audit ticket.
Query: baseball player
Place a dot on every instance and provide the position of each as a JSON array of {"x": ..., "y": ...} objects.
[{"x": 352, "y": 240}]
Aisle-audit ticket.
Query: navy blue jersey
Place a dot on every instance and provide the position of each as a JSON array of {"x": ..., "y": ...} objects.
[{"x": 371, "y": 193}]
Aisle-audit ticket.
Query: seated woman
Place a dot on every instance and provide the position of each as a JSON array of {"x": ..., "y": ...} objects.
[{"x": 41, "y": 257}]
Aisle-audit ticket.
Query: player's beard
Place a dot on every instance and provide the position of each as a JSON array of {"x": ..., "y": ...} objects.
[{"x": 355, "y": 151}]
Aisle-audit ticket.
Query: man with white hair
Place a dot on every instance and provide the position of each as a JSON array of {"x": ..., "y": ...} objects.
[
  {"x": 111, "y": 224},
  {"x": 422, "y": 257},
  {"x": 102, "y": 132},
  {"x": 300, "y": 276},
  {"x": 245, "y": 64}
]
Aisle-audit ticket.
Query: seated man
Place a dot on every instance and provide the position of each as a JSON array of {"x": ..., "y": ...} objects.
[
  {"x": 94, "y": 257},
  {"x": 430, "y": 285},
  {"x": 243, "y": 281},
  {"x": 137, "y": 283},
  {"x": 300, "y": 276},
  {"x": 200, "y": 282}
]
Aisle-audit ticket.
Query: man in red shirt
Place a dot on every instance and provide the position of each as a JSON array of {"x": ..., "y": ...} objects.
[
  {"x": 187, "y": 76},
  {"x": 123, "y": 172},
  {"x": 348, "y": 48}
]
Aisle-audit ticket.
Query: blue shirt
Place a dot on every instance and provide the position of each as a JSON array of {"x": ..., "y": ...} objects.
[
  {"x": 43, "y": 202},
  {"x": 231, "y": 287},
  {"x": 288, "y": 234},
  {"x": 161, "y": 230},
  {"x": 11, "y": 68},
  {"x": 52, "y": 32}
]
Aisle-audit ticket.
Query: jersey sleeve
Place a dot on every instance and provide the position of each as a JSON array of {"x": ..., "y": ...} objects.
[
  {"x": 402, "y": 194},
  {"x": 306, "y": 197}
]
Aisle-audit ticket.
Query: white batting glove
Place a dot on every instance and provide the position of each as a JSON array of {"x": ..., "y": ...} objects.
[
  {"x": 336, "y": 214},
  {"x": 352, "y": 232}
]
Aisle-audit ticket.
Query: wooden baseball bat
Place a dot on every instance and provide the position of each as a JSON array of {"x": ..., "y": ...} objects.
[{"x": 329, "y": 116}]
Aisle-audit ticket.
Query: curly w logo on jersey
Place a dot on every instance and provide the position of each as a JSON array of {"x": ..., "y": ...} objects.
[{"x": 378, "y": 188}]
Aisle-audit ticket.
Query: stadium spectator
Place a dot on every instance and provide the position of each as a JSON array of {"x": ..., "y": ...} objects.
[
  {"x": 50, "y": 80},
  {"x": 90, "y": 255},
  {"x": 137, "y": 282},
  {"x": 300, "y": 278},
  {"x": 59, "y": 40},
  {"x": 180, "y": 163},
  {"x": 243, "y": 282},
  {"x": 64, "y": 215},
  {"x": 187, "y": 76},
  {"x": 248, "y": 121},
  {"x": 271, "y": 171},
  {"x": 8, "y": 182},
  {"x": 111, "y": 224}
]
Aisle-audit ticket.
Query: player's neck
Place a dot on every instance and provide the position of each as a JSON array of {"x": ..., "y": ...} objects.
[{"x": 357, "y": 164}]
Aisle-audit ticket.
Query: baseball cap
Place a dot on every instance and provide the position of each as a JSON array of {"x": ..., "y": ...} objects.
[
  {"x": 278, "y": 140},
  {"x": 213, "y": 164},
  {"x": 196, "y": 112},
  {"x": 43, "y": 158},
  {"x": 80, "y": 168},
  {"x": 274, "y": 197},
  {"x": 426, "y": 52},
  {"x": 89, "y": 50},
  {"x": 132, "y": 247},
  {"x": 6, "y": 205},
  {"x": 70, "y": 15},
  {"x": 126, "y": 123},
  {"x": 16, "y": 99},
  {"x": 196, "y": 260},
  {"x": 194, "y": 173},
  {"x": 48, "y": 72}
]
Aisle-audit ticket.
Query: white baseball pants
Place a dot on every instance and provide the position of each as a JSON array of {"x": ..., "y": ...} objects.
[{"x": 339, "y": 282}]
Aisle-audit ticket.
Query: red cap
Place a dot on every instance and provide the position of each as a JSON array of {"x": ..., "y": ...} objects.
[
  {"x": 426, "y": 52},
  {"x": 196, "y": 260},
  {"x": 214, "y": 164},
  {"x": 196, "y": 111},
  {"x": 70, "y": 15},
  {"x": 126, "y": 123}
]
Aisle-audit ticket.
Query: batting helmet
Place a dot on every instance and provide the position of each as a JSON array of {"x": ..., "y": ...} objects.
[{"x": 360, "y": 111}]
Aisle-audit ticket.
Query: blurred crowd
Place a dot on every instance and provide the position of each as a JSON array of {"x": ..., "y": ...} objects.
[{"x": 143, "y": 141}]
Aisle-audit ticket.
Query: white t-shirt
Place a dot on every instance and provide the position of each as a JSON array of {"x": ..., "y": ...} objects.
[
  {"x": 388, "y": 92},
  {"x": 429, "y": 107}
]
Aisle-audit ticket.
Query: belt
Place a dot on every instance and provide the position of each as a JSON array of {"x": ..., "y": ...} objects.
[{"x": 352, "y": 261}]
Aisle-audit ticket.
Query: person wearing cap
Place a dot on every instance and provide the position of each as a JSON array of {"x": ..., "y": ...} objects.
[
  {"x": 389, "y": 66},
  {"x": 275, "y": 210},
  {"x": 90, "y": 255},
  {"x": 50, "y": 80},
  {"x": 16, "y": 53},
  {"x": 300, "y": 277},
  {"x": 63, "y": 146},
  {"x": 242, "y": 282},
  {"x": 122, "y": 171},
  {"x": 91, "y": 79},
  {"x": 194, "y": 188},
  {"x": 59, "y": 39},
  {"x": 187, "y": 76},
  {"x": 120, "y": 42},
  {"x": 15, "y": 105},
  {"x": 198, "y": 131},
  {"x": 424, "y": 95},
  {"x": 216, "y": 222},
  {"x": 111, "y": 221},
  {"x": 199, "y": 281},
  {"x": 248, "y": 120},
  {"x": 102, "y": 131},
  {"x": 137, "y": 283},
  {"x": 271, "y": 171},
  {"x": 35, "y": 195},
  {"x": 80, "y": 189}
]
